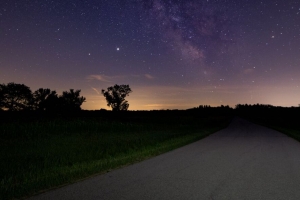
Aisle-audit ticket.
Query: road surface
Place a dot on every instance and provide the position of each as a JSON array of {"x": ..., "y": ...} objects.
[{"x": 243, "y": 161}]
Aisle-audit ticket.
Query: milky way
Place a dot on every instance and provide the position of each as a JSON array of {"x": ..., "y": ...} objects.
[
  {"x": 219, "y": 35},
  {"x": 198, "y": 30},
  {"x": 172, "y": 53}
]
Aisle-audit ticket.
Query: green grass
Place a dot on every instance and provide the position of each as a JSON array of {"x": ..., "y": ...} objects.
[
  {"x": 39, "y": 154},
  {"x": 287, "y": 124},
  {"x": 290, "y": 131}
]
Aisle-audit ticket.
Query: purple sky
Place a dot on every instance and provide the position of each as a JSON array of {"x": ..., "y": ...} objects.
[{"x": 172, "y": 53}]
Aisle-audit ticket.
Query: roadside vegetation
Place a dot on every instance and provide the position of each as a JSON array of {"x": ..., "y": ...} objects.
[
  {"x": 40, "y": 151},
  {"x": 285, "y": 120}
]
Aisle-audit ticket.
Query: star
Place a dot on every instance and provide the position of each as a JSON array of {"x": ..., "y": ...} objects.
[{"x": 169, "y": 39}]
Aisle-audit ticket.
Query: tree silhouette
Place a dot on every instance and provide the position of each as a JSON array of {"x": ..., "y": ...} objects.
[
  {"x": 71, "y": 101},
  {"x": 15, "y": 97},
  {"x": 45, "y": 99},
  {"x": 115, "y": 97}
]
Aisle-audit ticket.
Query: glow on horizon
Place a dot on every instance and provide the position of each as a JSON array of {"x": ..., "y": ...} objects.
[
  {"x": 159, "y": 98},
  {"x": 171, "y": 55}
]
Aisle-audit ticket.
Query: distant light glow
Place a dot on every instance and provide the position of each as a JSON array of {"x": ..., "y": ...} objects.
[{"x": 171, "y": 55}]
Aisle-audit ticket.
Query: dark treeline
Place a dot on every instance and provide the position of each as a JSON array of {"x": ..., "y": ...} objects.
[
  {"x": 268, "y": 114},
  {"x": 248, "y": 109},
  {"x": 265, "y": 113},
  {"x": 285, "y": 119},
  {"x": 262, "y": 112},
  {"x": 19, "y": 97}
]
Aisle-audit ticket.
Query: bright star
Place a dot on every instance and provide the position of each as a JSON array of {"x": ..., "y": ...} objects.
[{"x": 118, "y": 49}]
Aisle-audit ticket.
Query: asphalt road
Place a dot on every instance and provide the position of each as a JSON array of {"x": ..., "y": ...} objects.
[{"x": 243, "y": 161}]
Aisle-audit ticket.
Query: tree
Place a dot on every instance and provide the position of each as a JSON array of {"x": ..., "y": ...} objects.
[
  {"x": 15, "y": 97},
  {"x": 71, "y": 101},
  {"x": 45, "y": 99},
  {"x": 115, "y": 97}
]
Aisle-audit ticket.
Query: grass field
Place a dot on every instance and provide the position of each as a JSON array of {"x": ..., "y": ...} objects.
[
  {"x": 283, "y": 120},
  {"x": 39, "y": 153},
  {"x": 291, "y": 130}
]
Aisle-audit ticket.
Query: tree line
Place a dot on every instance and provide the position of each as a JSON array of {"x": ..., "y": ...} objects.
[{"x": 17, "y": 97}]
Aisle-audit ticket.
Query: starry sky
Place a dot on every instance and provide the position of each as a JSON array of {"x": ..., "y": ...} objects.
[{"x": 174, "y": 54}]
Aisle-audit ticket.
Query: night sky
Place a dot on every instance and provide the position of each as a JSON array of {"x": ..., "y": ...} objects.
[{"x": 174, "y": 54}]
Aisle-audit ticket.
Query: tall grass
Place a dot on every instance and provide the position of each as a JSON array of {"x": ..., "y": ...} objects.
[
  {"x": 41, "y": 154},
  {"x": 284, "y": 120}
]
